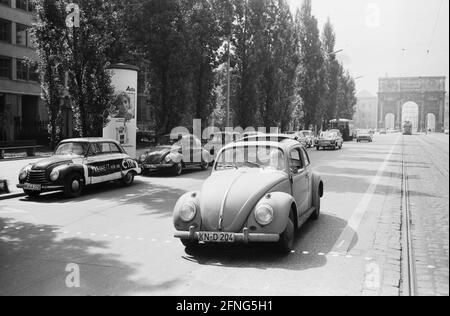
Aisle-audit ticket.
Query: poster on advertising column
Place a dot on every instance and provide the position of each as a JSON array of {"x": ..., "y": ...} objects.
[{"x": 122, "y": 125}]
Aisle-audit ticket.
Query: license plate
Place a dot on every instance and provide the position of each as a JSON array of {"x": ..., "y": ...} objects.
[
  {"x": 32, "y": 187},
  {"x": 216, "y": 237}
]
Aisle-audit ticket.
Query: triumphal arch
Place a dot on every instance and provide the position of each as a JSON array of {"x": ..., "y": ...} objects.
[{"x": 420, "y": 100}]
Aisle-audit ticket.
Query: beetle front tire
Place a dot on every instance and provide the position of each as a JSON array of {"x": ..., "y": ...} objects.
[
  {"x": 32, "y": 194},
  {"x": 286, "y": 242},
  {"x": 316, "y": 214},
  {"x": 74, "y": 186},
  {"x": 189, "y": 244}
]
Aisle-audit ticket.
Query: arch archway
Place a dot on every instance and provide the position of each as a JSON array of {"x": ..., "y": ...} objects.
[
  {"x": 431, "y": 122},
  {"x": 390, "y": 121},
  {"x": 410, "y": 112}
]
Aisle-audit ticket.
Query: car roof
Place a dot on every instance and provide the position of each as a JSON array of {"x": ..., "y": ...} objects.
[
  {"x": 89, "y": 140},
  {"x": 275, "y": 140}
]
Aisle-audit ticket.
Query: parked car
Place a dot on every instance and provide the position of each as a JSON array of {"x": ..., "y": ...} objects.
[
  {"x": 77, "y": 163},
  {"x": 309, "y": 136},
  {"x": 219, "y": 140},
  {"x": 383, "y": 131},
  {"x": 298, "y": 136},
  {"x": 259, "y": 191},
  {"x": 364, "y": 135},
  {"x": 330, "y": 139},
  {"x": 175, "y": 153}
]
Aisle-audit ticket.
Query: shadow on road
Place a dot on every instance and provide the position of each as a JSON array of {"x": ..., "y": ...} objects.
[
  {"x": 33, "y": 261},
  {"x": 309, "y": 238}
]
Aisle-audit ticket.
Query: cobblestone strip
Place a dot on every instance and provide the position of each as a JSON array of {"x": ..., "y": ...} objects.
[
  {"x": 386, "y": 252},
  {"x": 429, "y": 185}
]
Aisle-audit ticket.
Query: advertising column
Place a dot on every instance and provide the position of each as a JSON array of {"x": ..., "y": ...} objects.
[{"x": 122, "y": 125}]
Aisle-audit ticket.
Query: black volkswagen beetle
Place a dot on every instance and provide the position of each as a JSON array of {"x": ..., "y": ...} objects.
[{"x": 175, "y": 153}]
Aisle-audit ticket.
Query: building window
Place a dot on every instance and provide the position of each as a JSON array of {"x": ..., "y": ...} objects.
[
  {"x": 5, "y": 31},
  {"x": 34, "y": 73},
  {"x": 22, "y": 70},
  {"x": 22, "y": 4},
  {"x": 21, "y": 35},
  {"x": 6, "y": 2},
  {"x": 5, "y": 67}
]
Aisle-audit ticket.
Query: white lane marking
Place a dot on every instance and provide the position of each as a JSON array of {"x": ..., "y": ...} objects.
[
  {"x": 321, "y": 254},
  {"x": 431, "y": 267},
  {"x": 372, "y": 279},
  {"x": 343, "y": 243},
  {"x": 305, "y": 252}
]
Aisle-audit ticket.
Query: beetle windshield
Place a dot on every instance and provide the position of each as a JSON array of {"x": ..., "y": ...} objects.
[
  {"x": 72, "y": 149},
  {"x": 262, "y": 157}
]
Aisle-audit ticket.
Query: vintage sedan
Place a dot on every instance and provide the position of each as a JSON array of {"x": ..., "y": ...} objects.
[
  {"x": 175, "y": 153},
  {"x": 259, "y": 191},
  {"x": 364, "y": 136},
  {"x": 330, "y": 139},
  {"x": 298, "y": 136},
  {"x": 77, "y": 163}
]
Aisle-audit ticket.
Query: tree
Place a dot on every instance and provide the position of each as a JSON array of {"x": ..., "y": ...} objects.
[
  {"x": 81, "y": 53},
  {"x": 310, "y": 75},
  {"x": 334, "y": 72},
  {"x": 346, "y": 96},
  {"x": 48, "y": 34}
]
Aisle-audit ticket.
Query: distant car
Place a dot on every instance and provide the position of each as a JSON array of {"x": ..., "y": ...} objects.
[
  {"x": 298, "y": 136},
  {"x": 446, "y": 132},
  {"x": 364, "y": 136},
  {"x": 383, "y": 131},
  {"x": 330, "y": 139},
  {"x": 259, "y": 191},
  {"x": 309, "y": 136},
  {"x": 77, "y": 163},
  {"x": 175, "y": 153}
]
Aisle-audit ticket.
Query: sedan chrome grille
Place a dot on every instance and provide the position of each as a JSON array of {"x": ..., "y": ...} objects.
[{"x": 36, "y": 176}]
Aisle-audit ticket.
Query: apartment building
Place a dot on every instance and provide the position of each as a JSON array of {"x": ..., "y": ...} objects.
[{"x": 22, "y": 113}]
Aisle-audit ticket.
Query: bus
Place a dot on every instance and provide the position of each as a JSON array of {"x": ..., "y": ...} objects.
[
  {"x": 407, "y": 128},
  {"x": 346, "y": 127}
]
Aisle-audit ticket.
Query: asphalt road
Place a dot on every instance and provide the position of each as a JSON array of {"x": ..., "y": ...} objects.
[{"x": 121, "y": 239}]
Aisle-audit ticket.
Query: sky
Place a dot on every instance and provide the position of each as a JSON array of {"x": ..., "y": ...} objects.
[{"x": 397, "y": 38}]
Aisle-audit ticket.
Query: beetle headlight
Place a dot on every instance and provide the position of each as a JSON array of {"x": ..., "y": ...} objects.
[
  {"x": 264, "y": 214},
  {"x": 24, "y": 172},
  {"x": 54, "y": 175},
  {"x": 188, "y": 211}
]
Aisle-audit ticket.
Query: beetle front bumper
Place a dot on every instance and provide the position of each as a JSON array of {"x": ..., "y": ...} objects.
[{"x": 244, "y": 237}]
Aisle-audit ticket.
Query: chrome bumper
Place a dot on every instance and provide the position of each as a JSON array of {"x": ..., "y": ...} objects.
[
  {"x": 44, "y": 187},
  {"x": 244, "y": 237}
]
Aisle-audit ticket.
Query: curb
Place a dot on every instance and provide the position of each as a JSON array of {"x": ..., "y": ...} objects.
[{"x": 11, "y": 196}]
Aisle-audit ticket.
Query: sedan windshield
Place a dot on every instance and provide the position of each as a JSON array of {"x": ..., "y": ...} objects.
[
  {"x": 327, "y": 135},
  {"x": 72, "y": 149},
  {"x": 262, "y": 157}
]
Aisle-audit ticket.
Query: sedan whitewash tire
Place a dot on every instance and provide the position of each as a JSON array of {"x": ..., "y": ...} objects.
[
  {"x": 178, "y": 169},
  {"x": 74, "y": 186},
  {"x": 128, "y": 179}
]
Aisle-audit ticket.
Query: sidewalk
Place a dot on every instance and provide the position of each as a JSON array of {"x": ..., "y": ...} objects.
[{"x": 9, "y": 170}]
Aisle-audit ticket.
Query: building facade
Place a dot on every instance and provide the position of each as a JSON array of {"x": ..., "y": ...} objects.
[
  {"x": 23, "y": 115},
  {"x": 366, "y": 115}
]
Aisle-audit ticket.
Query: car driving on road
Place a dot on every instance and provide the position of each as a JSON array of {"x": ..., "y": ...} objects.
[
  {"x": 175, "y": 153},
  {"x": 330, "y": 139},
  {"x": 364, "y": 136},
  {"x": 77, "y": 163},
  {"x": 259, "y": 191}
]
